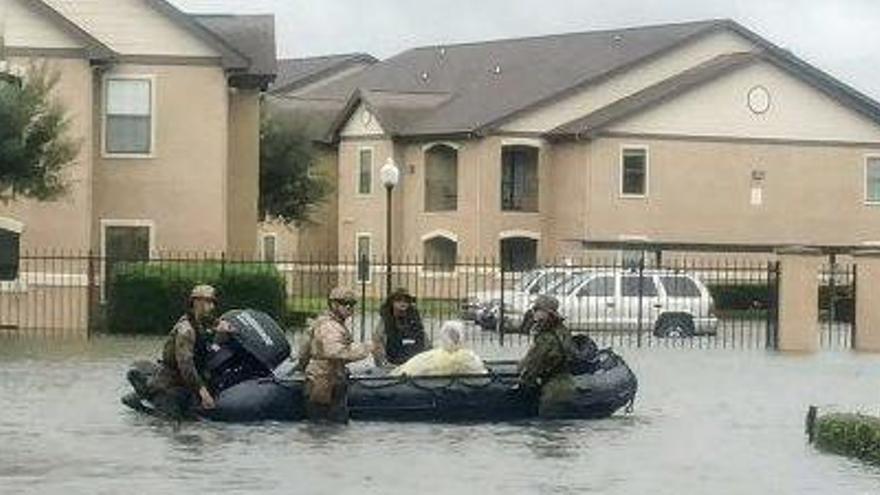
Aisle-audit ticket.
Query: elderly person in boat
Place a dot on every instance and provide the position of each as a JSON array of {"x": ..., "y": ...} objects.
[{"x": 451, "y": 358}]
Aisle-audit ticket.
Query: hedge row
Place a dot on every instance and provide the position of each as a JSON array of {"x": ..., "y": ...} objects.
[
  {"x": 853, "y": 435},
  {"x": 148, "y": 297}
]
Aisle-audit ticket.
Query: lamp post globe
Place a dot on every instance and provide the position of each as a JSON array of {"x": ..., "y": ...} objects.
[{"x": 390, "y": 176}]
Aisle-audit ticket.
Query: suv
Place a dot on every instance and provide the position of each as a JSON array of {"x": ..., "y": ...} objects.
[
  {"x": 481, "y": 305},
  {"x": 670, "y": 303}
]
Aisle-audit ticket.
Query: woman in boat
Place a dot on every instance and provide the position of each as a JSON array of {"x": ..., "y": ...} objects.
[
  {"x": 400, "y": 335},
  {"x": 451, "y": 358}
]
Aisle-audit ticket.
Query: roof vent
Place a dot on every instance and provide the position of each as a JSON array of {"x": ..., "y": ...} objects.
[
  {"x": 496, "y": 70},
  {"x": 424, "y": 76},
  {"x": 618, "y": 39},
  {"x": 442, "y": 51}
]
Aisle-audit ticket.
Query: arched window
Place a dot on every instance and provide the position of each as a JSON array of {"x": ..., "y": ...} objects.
[
  {"x": 441, "y": 178},
  {"x": 519, "y": 178},
  {"x": 440, "y": 254},
  {"x": 10, "y": 240},
  {"x": 519, "y": 254}
]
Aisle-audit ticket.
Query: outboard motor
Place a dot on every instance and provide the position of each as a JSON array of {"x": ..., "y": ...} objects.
[{"x": 257, "y": 347}]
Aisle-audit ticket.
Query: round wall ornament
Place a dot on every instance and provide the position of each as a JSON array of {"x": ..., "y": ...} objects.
[{"x": 758, "y": 99}]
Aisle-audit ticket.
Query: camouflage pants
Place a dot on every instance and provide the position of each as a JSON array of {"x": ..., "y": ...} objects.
[
  {"x": 336, "y": 411},
  {"x": 557, "y": 398}
]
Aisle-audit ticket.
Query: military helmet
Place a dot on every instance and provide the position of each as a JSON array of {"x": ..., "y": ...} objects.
[
  {"x": 342, "y": 294},
  {"x": 547, "y": 303},
  {"x": 203, "y": 291}
]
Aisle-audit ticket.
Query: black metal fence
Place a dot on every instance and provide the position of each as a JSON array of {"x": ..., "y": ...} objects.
[
  {"x": 697, "y": 301},
  {"x": 837, "y": 290}
]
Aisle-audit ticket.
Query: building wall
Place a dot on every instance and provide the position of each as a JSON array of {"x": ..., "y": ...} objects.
[
  {"x": 63, "y": 223},
  {"x": 22, "y": 27},
  {"x": 133, "y": 27},
  {"x": 243, "y": 172},
  {"x": 701, "y": 191},
  {"x": 581, "y": 103},
  {"x": 182, "y": 187}
]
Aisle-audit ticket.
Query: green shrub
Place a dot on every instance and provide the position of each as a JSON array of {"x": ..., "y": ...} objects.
[
  {"x": 853, "y": 435},
  {"x": 148, "y": 297}
]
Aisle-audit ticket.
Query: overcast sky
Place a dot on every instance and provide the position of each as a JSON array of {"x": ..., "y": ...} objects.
[{"x": 839, "y": 36}]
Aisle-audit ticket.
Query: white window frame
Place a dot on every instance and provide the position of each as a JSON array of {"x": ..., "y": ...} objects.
[
  {"x": 357, "y": 259},
  {"x": 357, "y": 171},
  {"x": 118, "y": 222},
  {"x": 105, "y": 83},
  {"x": 634, "y": 147},
  {"x": 868, "y": 201},
  {"x": 263, "y": 237}
]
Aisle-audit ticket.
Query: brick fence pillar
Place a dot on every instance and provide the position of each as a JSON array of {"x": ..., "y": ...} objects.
[
  {"x": 799, "y": 299},
  {"x": 867, "y": 335}
]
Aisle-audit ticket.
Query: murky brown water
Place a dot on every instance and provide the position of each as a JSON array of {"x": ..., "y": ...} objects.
[{"x": 706, "y": 421}]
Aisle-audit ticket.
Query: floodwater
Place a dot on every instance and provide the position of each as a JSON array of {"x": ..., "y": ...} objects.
[{"x": 705, "y": 421}]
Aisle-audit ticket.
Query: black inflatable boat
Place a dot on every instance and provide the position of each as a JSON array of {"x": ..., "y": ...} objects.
[{"x": 252, "y": 379}]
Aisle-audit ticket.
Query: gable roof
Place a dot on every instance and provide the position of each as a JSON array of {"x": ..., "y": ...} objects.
[
  {"x": 295, "y": 73},
  {"x": 252, "y": 36},
  {"x": 656, "y": 94},
  {"x": 491, "y": 82},
  {"x": 95, "y": 49}
]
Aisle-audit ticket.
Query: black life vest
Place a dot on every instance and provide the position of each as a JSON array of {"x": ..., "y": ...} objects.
[{"x": 404, "y": 337}]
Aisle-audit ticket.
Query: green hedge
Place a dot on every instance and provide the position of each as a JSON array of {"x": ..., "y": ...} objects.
[
  {"x": 853, "y": 435},
  {"x": 148, "y": 297}
]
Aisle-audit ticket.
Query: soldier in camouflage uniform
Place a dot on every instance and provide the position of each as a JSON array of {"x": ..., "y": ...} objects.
[
  {"x": 546, "y": 365},
  {"x": 323, "y": 355},
  {"x": 179, "y": 386}
]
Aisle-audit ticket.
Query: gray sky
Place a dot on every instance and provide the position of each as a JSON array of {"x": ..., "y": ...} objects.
[{"x": 839, "y": 36}]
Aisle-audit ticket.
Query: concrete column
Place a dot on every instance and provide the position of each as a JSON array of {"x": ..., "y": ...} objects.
[
  {"x": 867, "y": 336},
  {"x": 799, "y": 299},
  {"x": 243, "y": 172}
]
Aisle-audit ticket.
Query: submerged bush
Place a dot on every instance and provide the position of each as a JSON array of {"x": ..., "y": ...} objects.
[{"x": 853, "y": 435}]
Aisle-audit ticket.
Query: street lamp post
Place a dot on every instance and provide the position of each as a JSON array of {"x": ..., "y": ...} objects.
[{"x": 390, "y": 176}]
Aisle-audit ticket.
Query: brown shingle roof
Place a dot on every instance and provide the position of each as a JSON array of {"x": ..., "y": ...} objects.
[
  {"x": 297, "y": 72},
  {"x": 253, "y": 36}
]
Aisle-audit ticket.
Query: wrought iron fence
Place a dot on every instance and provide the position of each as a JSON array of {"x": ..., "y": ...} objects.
[
  {"x": 837, "y": 290},
  {"x": 694, "y": 301}
]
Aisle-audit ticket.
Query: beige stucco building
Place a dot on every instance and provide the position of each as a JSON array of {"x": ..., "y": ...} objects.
[
  {"x": 166, "y": 108},
  {"x": 528, "y": 149}
]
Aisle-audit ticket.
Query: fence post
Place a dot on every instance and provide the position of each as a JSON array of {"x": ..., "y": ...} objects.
[
  {"x": 867, "y": 317},
  {"x": 90, "y": 294},
  {"x": 501, "y": 314},
  {"x": 640, "y": 310},
  {"x": 362, "y": 271},
  {"x": 799, "y": 299}
]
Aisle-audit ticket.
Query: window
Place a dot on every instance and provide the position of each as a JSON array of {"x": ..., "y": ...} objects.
[
  {"x": 441, "y": 178},
  {"x": 872, "y": 180},
  {"x": 270, "y": 247},
  {"x": 364, "y": 256},
  {"x": 9, "y": 253},
  {"x": 128, "y": 128},
  {"x": 548, "y": 281},
  {"x": 519, "y": 178},
  {"x": 629, "y": 286},
  {"x": 440, "y": 254},
  {"x": 598, "y": 287},
  {"x": 519, "y": 254},
  {"x": 634, "y": 172},
  {"x": 365, "y": 171},
  {"x": 680, "y": 287}
]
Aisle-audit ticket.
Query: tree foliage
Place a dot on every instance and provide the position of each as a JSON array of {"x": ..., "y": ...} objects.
[
  {"x": 34, "y": 146},
  {"x": 290, "y": 187}
]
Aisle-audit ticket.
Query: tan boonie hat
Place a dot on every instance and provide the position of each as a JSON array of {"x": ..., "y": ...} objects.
[
  {"x": 547, "y": 303},
  {"x": 203, "y": 291},
  {"x": 343, "y": 294}
]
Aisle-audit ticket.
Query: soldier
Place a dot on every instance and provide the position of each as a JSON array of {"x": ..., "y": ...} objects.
[
  {"x": 401, "y": 334},
  {"x": 547, "y": 362},
  {"x": 324, "y": 356},
  {"x": 179, "y": 385}
]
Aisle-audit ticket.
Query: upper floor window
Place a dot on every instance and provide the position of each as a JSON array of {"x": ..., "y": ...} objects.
[
  {"x": 128, "y": 124},
  {"x": 519, "y": 178},
  {"x": 9, "y": 253},
  {"x": 872, "y": 180},
  {"x": 441, "y": 178},
  {"x": 365, "y": 171},
  {"x": 364, "y": 254},
  {"x": 634, "y": 172},
  {"x": 270, "y": 247},
  {"x": 440, "y": 254}
]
